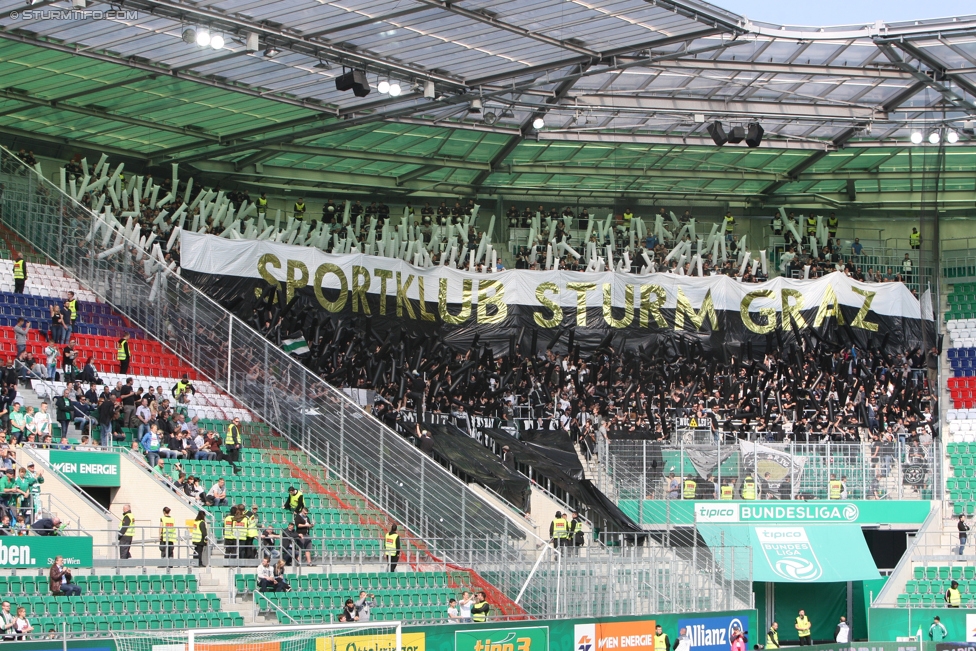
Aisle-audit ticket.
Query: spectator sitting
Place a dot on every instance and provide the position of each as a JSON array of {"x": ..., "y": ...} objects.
[
  {"x": 281, "y": 583},
  {"x": 218, "y": 493},
  {"x": 88, "y": 372},
  {"x": 81, "y": 414},
  {"x": 266, "y": 577},
  {"x": 268, "y": 550},
  {"x": 60, "y": 580}
]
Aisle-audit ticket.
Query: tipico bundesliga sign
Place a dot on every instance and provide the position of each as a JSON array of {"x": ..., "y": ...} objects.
[{"x": 787, "y": 512}]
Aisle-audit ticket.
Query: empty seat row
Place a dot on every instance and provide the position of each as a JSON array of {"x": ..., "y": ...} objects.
[
  {"x": 119, "y": 584},
  {"x": 369, "y": 581}
]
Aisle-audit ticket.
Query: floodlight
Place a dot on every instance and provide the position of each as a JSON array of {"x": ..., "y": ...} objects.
[
  {"x": 934, "y": 137},
  {"x": 203, "y": 38},
  {"x": 271, "y": 51},
  {"x": 952, "y": 137},
  {"x": 189, "y": 36},
  {"x": 490, "y": 118},
  {"x": 384, "y": 87},
  {"x": 395, "y": 89},
  {"x": 916, "y": 137},
  {"x": 216, "y": 41},
  {"x": 538, "y": 123}
]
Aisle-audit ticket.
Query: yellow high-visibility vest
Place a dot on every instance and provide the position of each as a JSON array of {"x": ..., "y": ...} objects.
[
  {"x": 835, "y": 489},
  {"x": 293, "y": 500},
  {"x": 391, "y": 544},
  {"x": 729, "y": 223},
  {"x": 660, "y": 642},
  {"x": 749, "y": 488},
  {"x": 168, "y": 526},
  {"x": 228, "y": 528},
  {"x": 832, "y": 223},
  {"x": 262, "y": 205},
  {"x": 772, "y": 639},
  {"x": 229, "y": 438},
  {"x": 953, "y": 597},
  {"x": 72, "y": 306},
  {"x": 299, "y": 210},
  {"x": 196, "y": 534},
  {"x": 19, "y": 270},
  {"x": 690, "y": 487},
  {"x": 811, "y": 225},
  {"x": 915, "y": 239},
  {"x": 726, "y": 492},
  {"x": 803, "y": 626},
  {"x": 252, "y": 527},
  {"x": 560, "y": 528},
  {"x": 120, "y": 354},
  {"x": 240, "y": 529},
  {"x": 128, "y": 524}
]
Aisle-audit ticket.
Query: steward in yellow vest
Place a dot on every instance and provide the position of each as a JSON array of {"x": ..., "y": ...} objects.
[
  {"x": 772, "y": 637},
  {"x": 952, "y": 596},
  {"x": 391, "y": 547},
  {"x": 749, "y": 488},
  {"x": 835, "y": 487},
  {"x": 690, "y": 487}
]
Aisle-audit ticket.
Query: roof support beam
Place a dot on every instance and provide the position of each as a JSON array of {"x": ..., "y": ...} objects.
[
  {"x": 415, "y": 174},
  {"x": 935, "y": 64},
  {"x": 949, "y": 95},
  {"x": 790, "y": 110},
  {"x": 72, "y": 142},
  {"x": 788, "y": 69}
]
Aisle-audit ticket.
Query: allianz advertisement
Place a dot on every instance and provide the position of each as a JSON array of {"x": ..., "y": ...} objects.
[
  {"x": 726, "y": 512},
  {"x": 713, "y": 633}
]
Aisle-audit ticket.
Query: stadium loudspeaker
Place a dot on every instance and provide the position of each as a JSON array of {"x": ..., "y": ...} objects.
[
  {"x": 754, "y": 134},
  {"x": 717, "y": 133},
  {"x": 737, "y": 135},
  {"x": 354, "y": 80},
  {"x": 851, "y": 191}
]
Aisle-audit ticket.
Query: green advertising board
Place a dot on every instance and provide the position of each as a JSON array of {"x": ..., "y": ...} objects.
[
  {"x": 892, "y": 623},
  {"x": 523, "y": 638},
  {"x": 863, "y": 512},
  {"x": 40, "y": 551},
  {"x": 86, "y": 468}
]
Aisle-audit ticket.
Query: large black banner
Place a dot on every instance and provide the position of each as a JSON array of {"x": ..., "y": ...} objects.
[{"x": 559, "y": 309}]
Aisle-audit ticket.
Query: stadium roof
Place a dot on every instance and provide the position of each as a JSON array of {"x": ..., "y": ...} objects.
[{"x": 626, "y": 89}]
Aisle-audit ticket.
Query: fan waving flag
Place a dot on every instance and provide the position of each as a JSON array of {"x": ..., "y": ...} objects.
[{"x": 295, "y": 346}]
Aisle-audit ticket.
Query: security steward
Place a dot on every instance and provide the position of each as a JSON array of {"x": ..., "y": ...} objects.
[
  {"x": 832, "y": 224},
  {"x": 576, "y": 530},
  {"x": 300, "y": 209},
  {"x": 167, "y": 534},
  {"x": 803, "y": 629},
  {"x": 559, "y": 530},
  {"x": 952, "y": 597},
  {"x": 729, "y": 222},
  {"x": 661, "y": 641},
  {"x": 772, "y": 636},
  {"x": 240, "y": 532},
  {"x": 480, "y": 609},
  {"x": 233, "y": 441},
  {"x": 726, "y": 492},
  {"x": 295, "y": 501},
  {"x": 71, "y": 306},
  {"x": 126, "y": 532},
  {"x": 748, "y": 488},
  {"x": 835, "y": 487},
  {"x": 123, "y": 354},
  {"x": 230, "y": 542},
  {"x": 262, "y": 204},
  {"x": 914, "y": 239},
  {"x": 391, "y": 546},
  {"x": 182, "y": 386},
  {"x": 198, "y": 537},
  {"x": 251, "y": 519},
  {"x": 811, "y": 225},
  {"x": 20, "y": 273},
  {"x": 690, "y": 487}
]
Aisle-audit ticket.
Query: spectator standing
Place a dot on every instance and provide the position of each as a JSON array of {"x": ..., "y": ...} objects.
[
  {"x": 363, "y": 605},
  {"x": 938, "y": 631},
  {"x": 62, "y": 411},
  {"x": 123, "y": 354},
  {"x": 10, "y": 492},
  {"x": 143, "y": 417},
  {"x": 21, "y": 330},
  {"x": 303, "y": 527},
  {"x": 8, "y": 622},
  {"x": 59, "y": 580},
  {"x": 106, "y": 414},
  {"x": 128, "y": 396},
  {"x": 51, "y": 355},
  {"x": 22, "y": 625},
  {"x": 963, "y": 533},
  {"x": 126, "y": 532},
  {"x": 464, "y": 607},
  {"x": 167, "y": 534},
  {"x": 481, "y": 608},
  {"x": 842, "y": 632},
  {"x": 392, "y": 547},
  {"x": 150, "y": 445},
  {"x": 453, "y": 613},
  {"x": 20, "y": 273},
  {"x": 682, "y": 643}
]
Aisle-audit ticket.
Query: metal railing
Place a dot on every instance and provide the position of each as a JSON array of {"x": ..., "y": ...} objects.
[
  {"x": 640, "y": 470},
  {"x": 457, "y": 525}
]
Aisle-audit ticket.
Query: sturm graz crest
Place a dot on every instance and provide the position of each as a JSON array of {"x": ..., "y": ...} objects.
[{"x": 914, "y": 474}]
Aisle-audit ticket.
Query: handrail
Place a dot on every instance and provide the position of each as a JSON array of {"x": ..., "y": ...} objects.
[
  {"x": 895, "y": 583},
  {"x": 277, "y": 609},
  {"x": 165, "y": 484},
  {"x": 101, "y": 510}
]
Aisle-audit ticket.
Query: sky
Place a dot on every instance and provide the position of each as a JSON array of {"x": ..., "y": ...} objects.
[{"x": 823, "y": 13}]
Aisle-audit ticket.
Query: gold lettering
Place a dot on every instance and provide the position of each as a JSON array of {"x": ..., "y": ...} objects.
[
  {"x": 465, "y": 312},
  {"x": 497, "y": 299},
  {"x": 263, "y": 262},
  {"x": 402, "y": 299},
  {"x": 652, "y": 308},
  {"x": 581, "y": 289},
  {"x": 829, "y": 306},
  {"x": 608, "y": 306},
  {"x": 524, "y": 643},
  {"x": 684, "y": 309},
  {"x": 295, "y": 282},
  {"x": 793, "y": 310},
  {"x": 859, "y": 321},
  {"x": 360, "y": 275},
  {"x": 424, "y": 314},
  {"x": 549, "y": 304},
  {"x": 767, "y": 312},
  {"x": 384, "y": 275},
  {"x": 340, "y": 302}
]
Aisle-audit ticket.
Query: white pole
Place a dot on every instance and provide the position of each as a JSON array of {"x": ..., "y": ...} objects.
[{"x": 535, "y": 567}]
